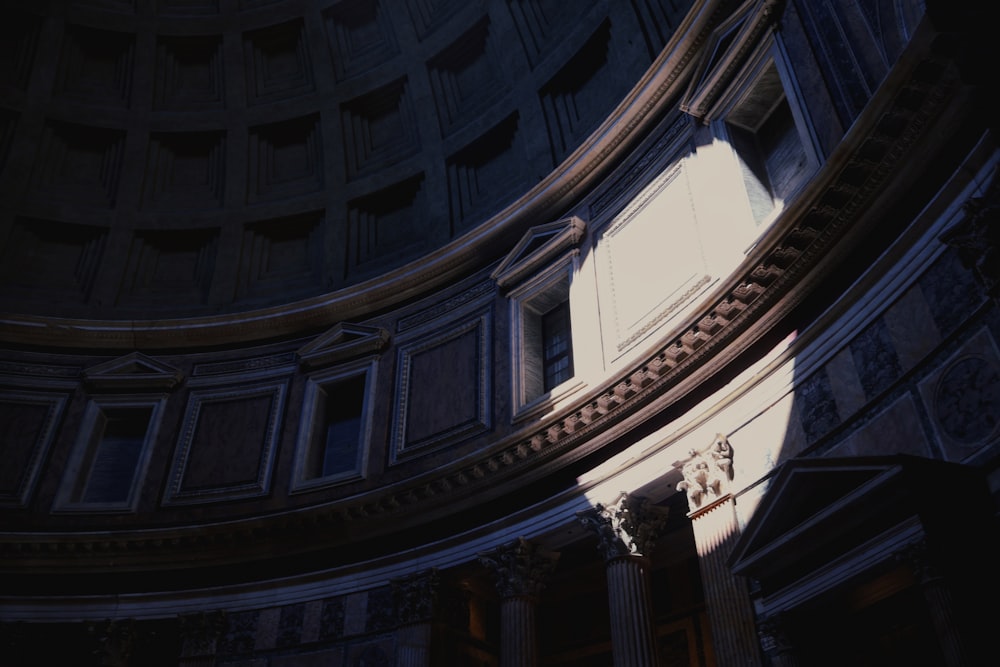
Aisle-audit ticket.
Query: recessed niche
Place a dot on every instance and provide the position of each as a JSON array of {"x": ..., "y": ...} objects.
[
  {"x": 538, "y": 23},
  {"x": 429, "y": 15},
  {"x": 282, "y": 255},
  {"x": 185, "y": 170},
  {"x": 483, "y": 172},
  {"x": 189, "y": 73},
  {"x": 18, "y": 45},
  {"x": 95, "y": 66},
  {"x": 79, "y": 163},
  {"x": 359, "y": 35},
  {"x": 285, "y": 159},
  {"x": 277, "y": 62},
  {"x": 57, "y": 259},
  {"x": 464, "y": 78},
  {"x": 381, "y": 225},
  {"x": 576, "y": 98},
  {"x": 379, "y": 128},
  {"x": 169, "y": 267}
]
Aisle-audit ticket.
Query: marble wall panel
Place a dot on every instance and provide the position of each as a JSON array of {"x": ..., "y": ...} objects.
[
  {"x": 227, "y": 443},
  {"x": 443, "y": 387}
]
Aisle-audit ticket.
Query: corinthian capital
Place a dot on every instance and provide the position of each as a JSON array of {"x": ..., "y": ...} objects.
[
  {"x": 521, "y": 567},
  {"x": 630, "y": 526}
]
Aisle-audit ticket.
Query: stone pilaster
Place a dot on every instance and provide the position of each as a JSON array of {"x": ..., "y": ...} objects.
[
  {"x": 940, "y": 604},
  {"x": 521, "y": 570},
  {"x": 627, "y": 531},
  {"x": 707, "y": 478},
  {"x": 415, "y": 599}
]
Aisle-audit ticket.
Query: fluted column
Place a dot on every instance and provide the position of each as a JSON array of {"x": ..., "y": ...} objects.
[
  {"x": 707, "y": 477},
  {"x": 627, "y": 531},
  {"x": 415, "y": 599},
  {"x": 938, "y": 596},
  {"x": 199, "y": 635},
  {"x": 521, "y": 570}
]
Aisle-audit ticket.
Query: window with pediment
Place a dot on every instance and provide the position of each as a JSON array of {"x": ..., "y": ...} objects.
[{"x": 537, "y": 276}]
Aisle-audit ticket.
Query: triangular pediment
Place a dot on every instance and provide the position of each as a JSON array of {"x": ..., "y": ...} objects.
[
  {"x": 538, "y": 248},
  {"x": 344, "y": 341},
  {"x": 817, "y": 508},
  {"x": 134, "y": 371},
  {"x": 726, "y": 52}
]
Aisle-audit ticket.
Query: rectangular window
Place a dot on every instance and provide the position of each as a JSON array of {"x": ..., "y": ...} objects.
[
  {"x": 333, "y": 443},
  {"x": 121, "y": 434},
  {"x": 109, "y": 460},
  {"x": 557, "y": 348},
  {"x": 772, "y": 155},
  {"x": 338, "y": 417},
  {"x": 544, "y": 343}
]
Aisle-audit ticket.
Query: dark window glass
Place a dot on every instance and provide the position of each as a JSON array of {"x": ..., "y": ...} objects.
[
  {"x": 336, "y": 449},
  {"x": 557, "y": 346},
  {"x": 113, "y": 468}
]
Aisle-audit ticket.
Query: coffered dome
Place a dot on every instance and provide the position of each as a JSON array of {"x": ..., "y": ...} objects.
[{"x": 178, "y": 158}]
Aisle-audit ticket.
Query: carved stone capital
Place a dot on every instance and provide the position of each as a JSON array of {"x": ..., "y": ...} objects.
[
  {"x": 521, "y": 568},
  {"x": 707, "y": 474},
  {"x": 629, "y": 527}
]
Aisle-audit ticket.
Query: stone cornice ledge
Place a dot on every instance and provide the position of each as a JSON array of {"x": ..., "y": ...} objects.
[{"x": 805, "y": 243}]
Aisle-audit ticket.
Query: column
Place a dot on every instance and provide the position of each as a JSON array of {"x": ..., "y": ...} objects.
[
  {"x": 939, "y": 601},
  {"x": 627, "y": 531},
  {"x": 199, "y": 635},
  {"x": 521, "y": 570},
  {"x": 707, "y": 478},
  {"x": 415, "y": 599}
]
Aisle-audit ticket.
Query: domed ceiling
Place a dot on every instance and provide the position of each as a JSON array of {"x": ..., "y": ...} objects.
[{"x": 184, "y": 158}]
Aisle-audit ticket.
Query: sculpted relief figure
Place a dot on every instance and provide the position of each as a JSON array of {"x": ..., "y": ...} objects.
[{"x": 707, "y": 474}]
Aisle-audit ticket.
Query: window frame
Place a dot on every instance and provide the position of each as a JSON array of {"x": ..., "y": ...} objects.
[
  {"x": 311, "y": 430},
  {"x": 549, "y": 288},
  {"x": 70, "y": 497},
  {"x": 767, "y": 65}
]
